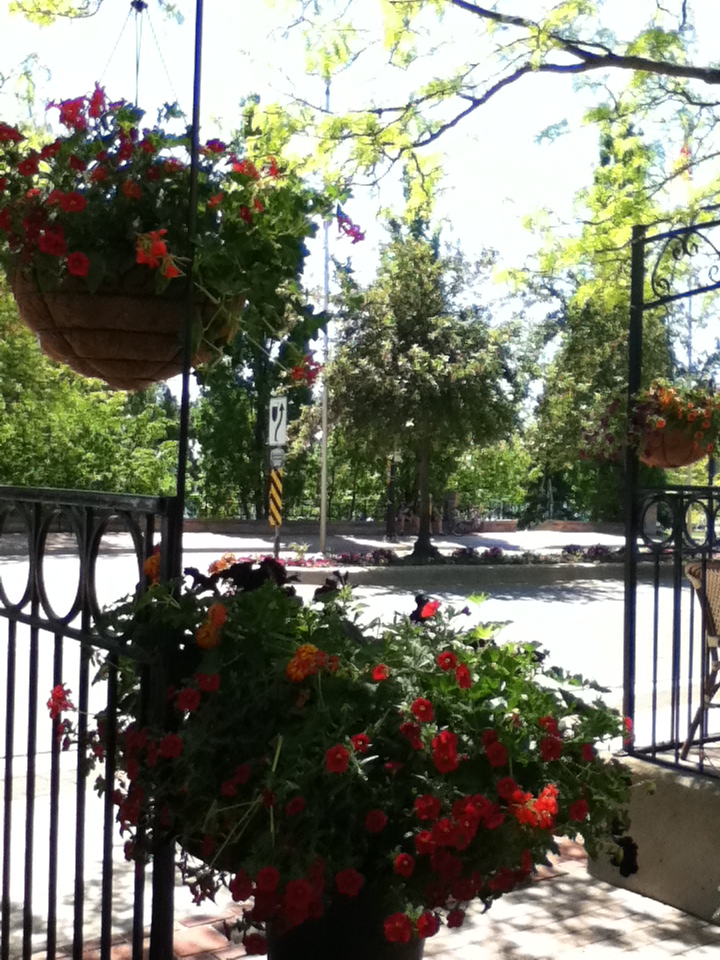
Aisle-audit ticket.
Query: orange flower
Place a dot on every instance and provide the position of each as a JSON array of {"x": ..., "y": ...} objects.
[
  {"x": 207, "y": 636},
  {"x": 225, "y": 561},
  {"x": 660, "y": 424},
  {"x": 151, "y": 567},
  {"x": 307, "y": 661},
  {"x": 217, "y": 615}
]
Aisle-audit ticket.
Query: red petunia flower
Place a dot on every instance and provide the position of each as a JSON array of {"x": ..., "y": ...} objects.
[
  {"x": 255, "y": 944},
  {"x": 549, "y": 724},
  {"x": 455, "y": 918},
  {"x": 336, "y": 759},
  {"x": 430, "y": 609},
  {"x": 360, "y": 742},
  {"x": 52, "y": 242},
  {"x": 506, "y": 787},
  {"x": 188, "y": 699},
  {"x": 78, "y": 264},
  {"x": 427, "y": 925},
  {"x": 267, "y": 880},
  {"x": 29, "y": 166},
  {"x": 423, "y": 710},
  {"x": 208, "y": 682},
  {"x": 447, "y": 660},
  {"x": 240, "y": 886},
  {"x": 424, "y": 843},
  {"x": 375, "y": 821},
  {"x": 411, "y": 731},
  {"x": 72, "y": 202},
  {"x": 578, "y": 810},
  {"x": 497, "y": 754},
  {"x": 462, "y": 675},
  {"x": 427, "y": 807},
  {"x": 59, "y": 701},
  {"x": 295, "y": 806},
  {"x": 404, "y": 865},
  {"x": 381, "y": 672},
  {"x": 349, "y": 882},
  {"x": 398, "y": 928},
  {"x": 551, "y": 748}
]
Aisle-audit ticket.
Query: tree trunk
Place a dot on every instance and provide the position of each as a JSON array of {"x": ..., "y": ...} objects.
[
  {"x": 423, "y": 548},
  {"x": 390, "y": 508}
]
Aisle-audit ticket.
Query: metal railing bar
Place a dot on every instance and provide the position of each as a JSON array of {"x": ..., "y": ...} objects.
[
  {"x": 7, "y": 802},
  {"x": 79, "y": 898},
  {"x": 54, "y": 810},
  {"x": 30, "y": 795},
  {"x": 656, "y": 619},
  {"x": 110, "y": 502},
  {"x": 108, "y": 811}
]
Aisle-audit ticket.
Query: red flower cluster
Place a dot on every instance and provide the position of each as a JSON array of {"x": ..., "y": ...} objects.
[
  {"x": 306, "y": 372},
  {"x": 151, "y": 249},
  {"x": 59, "y": 701}
]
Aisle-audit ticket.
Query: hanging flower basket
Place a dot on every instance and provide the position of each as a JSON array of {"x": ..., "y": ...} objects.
[
  {"x": 127, "y": 336},
  {"x": 95, "y": 241},
  {"x": 668, "y": 448}
]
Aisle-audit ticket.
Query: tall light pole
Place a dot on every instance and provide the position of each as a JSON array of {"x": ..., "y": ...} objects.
[{"x": 326, "y": 351}]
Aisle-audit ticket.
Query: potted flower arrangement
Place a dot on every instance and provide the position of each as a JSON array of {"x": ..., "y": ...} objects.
[
  {"x": 672, "y": 425},
  {"x": 361, "y": 784},
  {"x": 94, "y": 238}
]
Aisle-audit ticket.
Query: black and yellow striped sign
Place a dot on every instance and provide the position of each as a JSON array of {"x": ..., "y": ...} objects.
[{"x": 275, "y": 512}]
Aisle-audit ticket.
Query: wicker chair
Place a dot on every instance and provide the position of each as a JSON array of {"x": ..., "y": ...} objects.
[{"x": 709, "y": 596}]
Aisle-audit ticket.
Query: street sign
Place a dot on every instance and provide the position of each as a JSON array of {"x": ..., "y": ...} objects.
[
  {"x": 277, "y": 457},
  {"x": 277, "y": 427},
  {"x": 275, "y": 504}
]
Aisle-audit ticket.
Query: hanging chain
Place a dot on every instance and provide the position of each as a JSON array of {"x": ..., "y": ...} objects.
[
  {"x": 117, "y": 44},
  {"x": 162, "y": 59},
  {"x": 138, "y": 6}
]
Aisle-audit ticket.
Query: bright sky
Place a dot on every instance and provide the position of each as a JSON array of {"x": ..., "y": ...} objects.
[{"x": 495, "y": 173}]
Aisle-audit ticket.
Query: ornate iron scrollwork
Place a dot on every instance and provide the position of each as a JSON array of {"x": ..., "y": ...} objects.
[{"x": 694, "y": 243}]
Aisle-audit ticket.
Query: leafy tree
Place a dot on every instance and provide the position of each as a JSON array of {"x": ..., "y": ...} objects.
[
  {"x": 588, "y": 280},
  {"x": 60, "y": 430},
  {"x": 659, "y": 55},
  {"x": 494, "y": 474},
  {"x": 419, "y": 368}
]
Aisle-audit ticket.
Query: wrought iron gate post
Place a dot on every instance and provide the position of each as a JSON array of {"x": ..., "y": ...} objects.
[{"x": 635, "y": 345}]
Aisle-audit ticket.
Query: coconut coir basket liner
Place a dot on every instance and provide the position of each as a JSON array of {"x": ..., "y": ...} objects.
[
  {"x": 130, "y": 338},
  {"x": 670, "y": 448}
]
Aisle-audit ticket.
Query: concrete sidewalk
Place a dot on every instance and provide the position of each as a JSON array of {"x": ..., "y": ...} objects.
[{"x": 564, "y": 913}]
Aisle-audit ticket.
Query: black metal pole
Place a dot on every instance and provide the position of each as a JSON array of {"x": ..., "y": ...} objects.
[
  {"x": 161, "y": 934},
  {"x": 635, "y": 348}
]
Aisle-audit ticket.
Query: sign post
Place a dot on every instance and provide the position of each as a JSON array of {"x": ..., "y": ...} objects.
[{"x": 277, "y": 438}]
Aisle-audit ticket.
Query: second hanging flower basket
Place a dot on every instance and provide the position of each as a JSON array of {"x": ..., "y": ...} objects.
[{"x": 670, "y": 448}]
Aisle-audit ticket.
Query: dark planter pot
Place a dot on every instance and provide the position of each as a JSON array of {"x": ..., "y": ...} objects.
[
  {"x": 669, "y": 448},
  {"x": 352, "y": 929}
]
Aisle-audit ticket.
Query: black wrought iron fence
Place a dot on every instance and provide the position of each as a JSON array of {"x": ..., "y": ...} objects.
[
  {"x": 671, "y": 668},
  {"x": 65, "y": 882}
]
